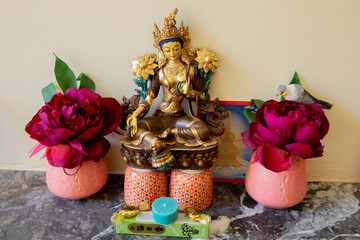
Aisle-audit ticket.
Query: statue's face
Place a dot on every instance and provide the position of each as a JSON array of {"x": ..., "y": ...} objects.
[{"x": 172, "y": 50}]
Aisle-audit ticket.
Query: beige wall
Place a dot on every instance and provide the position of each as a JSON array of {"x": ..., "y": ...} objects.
[{"x": 260, "y": 43}]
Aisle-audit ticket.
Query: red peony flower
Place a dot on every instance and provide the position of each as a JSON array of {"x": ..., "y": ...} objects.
[
  {"x": 286, "y": 127},
  {"x": 72, "y": 126}
]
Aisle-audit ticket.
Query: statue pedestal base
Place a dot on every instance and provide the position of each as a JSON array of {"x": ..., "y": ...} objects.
[
  {"x": 192, "y": 188},
  {"x": 192, "y": 158},
  {"x": 142, "y": 185},
  {"x": 188, "y": 187}
]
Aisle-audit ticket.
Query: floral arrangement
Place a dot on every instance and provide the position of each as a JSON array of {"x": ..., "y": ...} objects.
[
  {"x": 279, "y": 129},
  {"x": 143, "y": 67},
  {"x": 208, "y": 62},
  {"x": 72, "y": 125}
]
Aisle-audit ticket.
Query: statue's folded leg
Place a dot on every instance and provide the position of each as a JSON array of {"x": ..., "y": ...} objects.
[
  {"x": 147, "y": 136},
  {"x": 191, "y": 131}
]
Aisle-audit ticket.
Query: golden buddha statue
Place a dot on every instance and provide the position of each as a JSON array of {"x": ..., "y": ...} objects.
[{"x": 153, "y": 141}]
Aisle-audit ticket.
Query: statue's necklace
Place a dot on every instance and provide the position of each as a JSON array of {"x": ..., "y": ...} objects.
[{"x": 174, "y": 70}]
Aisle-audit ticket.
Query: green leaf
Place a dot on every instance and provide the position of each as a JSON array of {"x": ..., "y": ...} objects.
[
  {"x": 144, "y": 85},
  {"x": 141, "y": 93},
  {"x": 48, "y": 92},
  {"x": 207, "y": 85},
  {"x": 250, "y": 116},
  {"x": 86, "y": 82},
  {"x": 282, "y": 98},
  {"x": 295, "y": 79},
  {"x": 137, "y": 82},
  {"x": 257, "y": 102},
  {"x": 65, "y": 77}
]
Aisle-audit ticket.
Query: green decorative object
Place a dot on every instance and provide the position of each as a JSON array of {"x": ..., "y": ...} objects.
[
  {"x": 142, "y": 83},
  {"x": 295, "y": 79},
  {"x": 144, "y": 224},
  {"x": 86, "y": 82},
  {"x": 206, "y": 81},
  {"x": 257, "y": 102},
  {"x": 48, "y": 91},
  {"x": 65, "y": 77},
  {"x": 249, "y": 113}
]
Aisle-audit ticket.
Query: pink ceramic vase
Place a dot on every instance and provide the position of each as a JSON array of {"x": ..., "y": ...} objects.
[
  {"x": 78, "y": 182},
  {"x": 277, "y": 190}
]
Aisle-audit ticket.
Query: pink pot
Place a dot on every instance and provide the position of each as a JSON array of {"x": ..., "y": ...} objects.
[
  {"x": 78, "y": 182},
  {"x": 277, "y": 190}
]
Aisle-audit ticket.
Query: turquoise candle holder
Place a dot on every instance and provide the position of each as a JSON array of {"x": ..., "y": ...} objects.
[{"x": 165, "y": 210}]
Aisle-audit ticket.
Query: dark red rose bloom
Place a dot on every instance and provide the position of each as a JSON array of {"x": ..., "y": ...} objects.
[
  {"x": 286, "y": 127},
  {"x": 72, "y": 126}
]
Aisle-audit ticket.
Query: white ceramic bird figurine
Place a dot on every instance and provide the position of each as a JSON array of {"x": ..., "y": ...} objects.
[{"x": 298, "y": 94}]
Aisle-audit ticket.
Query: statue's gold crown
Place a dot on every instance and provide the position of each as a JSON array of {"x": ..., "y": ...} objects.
[{"x": 170, "y": 31}]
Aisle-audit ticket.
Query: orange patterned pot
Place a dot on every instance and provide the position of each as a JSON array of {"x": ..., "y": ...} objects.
[
  {"x": 142, "y": 185},
  {"x": 192, "y": 188},
  {"x": 78, "y": 182},
  {"x": 277, "y": 190}
]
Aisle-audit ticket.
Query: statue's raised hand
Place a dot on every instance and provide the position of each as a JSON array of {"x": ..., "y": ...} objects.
[
  {"x": 184, "y": 87},
  {"x": 132, "y": 124}
]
